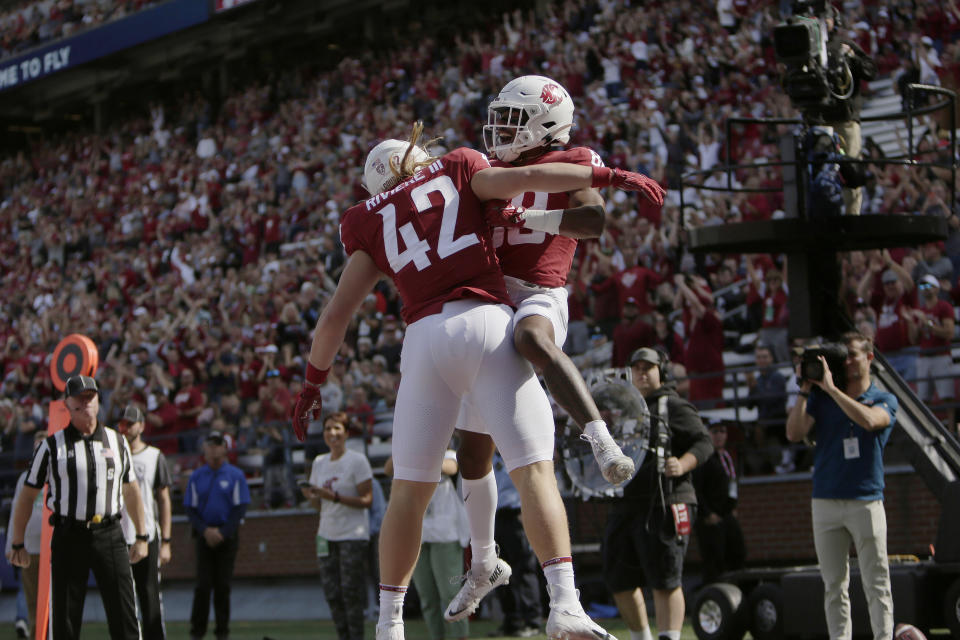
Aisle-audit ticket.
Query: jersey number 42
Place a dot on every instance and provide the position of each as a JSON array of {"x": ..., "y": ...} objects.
[{"x": 417, "y": 248}]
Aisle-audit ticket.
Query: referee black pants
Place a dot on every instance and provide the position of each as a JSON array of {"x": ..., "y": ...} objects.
[
  {"x": 214, "y": 573},
  {"x": 146, "y": 575},
  {"x": 75, "y": 551}
]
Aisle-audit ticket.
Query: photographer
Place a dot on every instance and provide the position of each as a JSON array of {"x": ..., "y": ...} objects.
[
  {"x": 844, "y": 115},
  {"x": 648, "y": 529},
  {"x": 852, "y": 426}
]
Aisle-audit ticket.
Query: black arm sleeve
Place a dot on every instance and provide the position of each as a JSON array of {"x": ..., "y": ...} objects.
[
  {"x": 689, "y": 434},
  {"x": 229, "y": 528},
  {"x": 162, "y": 478},
  {"x": 195, "y": 520},
  {"x": 861, "y": 64}
]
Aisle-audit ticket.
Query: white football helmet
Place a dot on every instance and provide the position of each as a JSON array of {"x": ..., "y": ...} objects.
[
  {"x": 530, "y": 112},
  {"x": 382, "y": 169}
]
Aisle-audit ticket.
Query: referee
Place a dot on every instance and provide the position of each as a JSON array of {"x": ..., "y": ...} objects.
[{"x": 86, "y": 465}]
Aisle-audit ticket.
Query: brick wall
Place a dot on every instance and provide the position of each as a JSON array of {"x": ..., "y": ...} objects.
[
  {"x": 271, "y": 544},
  {"x": 775, "y": 516}
]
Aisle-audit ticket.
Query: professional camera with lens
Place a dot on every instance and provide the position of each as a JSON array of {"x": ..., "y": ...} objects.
[
  {"x": 836, "y": 356},
  {"x": 815, "y": 77}
]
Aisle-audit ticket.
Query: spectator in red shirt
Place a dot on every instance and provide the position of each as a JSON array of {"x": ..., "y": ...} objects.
[
  {"x": 634, "y": 281},
  {"x": 631, "y": 334},
  {"x": 190, "y": 401},
  {"x": 893, "y": 302},
  {"x": 275, "y": 398},
  {"x": 249, "y": 370},
  {"x": 666, "y": 338},
  {"x": 776, "y": 315},
  {"x": 935, "y": 320},
  {"x": 161, "y": 421},
  {"x": 603, "y": 291},
  {"x": 361, "y": 414},
  {"x": 704, "y": 330}
]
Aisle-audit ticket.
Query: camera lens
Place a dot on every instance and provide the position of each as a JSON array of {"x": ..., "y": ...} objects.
[{"x": 812, "y": 369}]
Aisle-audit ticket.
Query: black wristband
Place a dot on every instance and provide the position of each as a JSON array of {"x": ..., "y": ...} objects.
[
  {"x": 804, "y": 394},
  {"x": 166, "y": 540},
  {"x": 15, "y": 546},
  {"x": 143, "y": 537},
  {"x": 336, "y": 497}
]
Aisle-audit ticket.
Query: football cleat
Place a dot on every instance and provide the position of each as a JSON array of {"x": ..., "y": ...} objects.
[
  {"x": 616, "y": 467},
  {"x": 568, "y": 621},
  {"x": 390, "y": 631},
  {"x": 474, "y": 588}
]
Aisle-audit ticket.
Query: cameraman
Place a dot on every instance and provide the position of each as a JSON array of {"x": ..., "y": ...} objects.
[
  {"x": 844, "y": 115},
  {"x": 852, "y": 425},
  {"x": 648, "y": 529}
]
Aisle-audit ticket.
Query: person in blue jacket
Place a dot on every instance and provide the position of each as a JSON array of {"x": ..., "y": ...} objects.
[{"x": 216, "y": 500}]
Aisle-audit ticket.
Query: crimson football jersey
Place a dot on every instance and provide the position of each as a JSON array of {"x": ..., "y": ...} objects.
[
  {"x": 536, "y": 256},
  {"x": 430, "y": 235}
]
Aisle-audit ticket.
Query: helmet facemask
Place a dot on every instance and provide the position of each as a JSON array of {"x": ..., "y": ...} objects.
[{"x": 530, "y": 112}]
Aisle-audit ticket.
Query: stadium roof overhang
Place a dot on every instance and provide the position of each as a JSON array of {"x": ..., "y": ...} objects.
[{"x": 277, "y": 25}]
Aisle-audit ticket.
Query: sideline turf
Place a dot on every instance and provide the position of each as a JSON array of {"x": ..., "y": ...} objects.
[{"x": 324, "y": 630}]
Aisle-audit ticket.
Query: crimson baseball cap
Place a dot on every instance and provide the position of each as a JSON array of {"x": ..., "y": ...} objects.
[{"x": 80, "y": 384}]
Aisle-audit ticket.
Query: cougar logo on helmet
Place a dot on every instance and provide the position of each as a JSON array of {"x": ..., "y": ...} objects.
[{"x": 551, "y": 94}]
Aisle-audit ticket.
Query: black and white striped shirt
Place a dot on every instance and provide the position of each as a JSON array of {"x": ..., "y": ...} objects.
[{"x": 85, "y": 473}]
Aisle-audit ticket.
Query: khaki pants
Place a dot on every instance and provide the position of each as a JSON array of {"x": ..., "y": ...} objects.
[
  {"x": 852, "y": 144},
  {"x": 837, "y": 523}
]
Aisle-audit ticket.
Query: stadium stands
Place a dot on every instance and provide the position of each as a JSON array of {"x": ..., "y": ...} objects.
[{"x": 201, "y": 233}]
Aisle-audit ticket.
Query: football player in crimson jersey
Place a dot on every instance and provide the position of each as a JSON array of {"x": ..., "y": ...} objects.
[
  {"x": 528, "y": 123},
  {"x": 426, "y": 228}
]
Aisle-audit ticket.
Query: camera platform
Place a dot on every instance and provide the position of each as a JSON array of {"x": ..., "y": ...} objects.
[
  {"x": 837, "y": 233},
  {"x": 811, "y": 247},
  {"x": 810, "y": 238}
]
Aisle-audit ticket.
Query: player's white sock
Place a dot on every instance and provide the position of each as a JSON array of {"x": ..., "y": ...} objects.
[
  {"x": 596, "y": 429},
  {"x": 559, "y": 573},
  {"x": 391, "y": 603},
  {"x": 480, "y": 499},
  {"x": 669, "y": 635},
  {"x": 643, "y": 634}
]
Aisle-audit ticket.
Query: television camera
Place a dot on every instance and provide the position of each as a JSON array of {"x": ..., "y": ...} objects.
[
  {"x": 835, "y": 354},
  {"x": 817, "y": 76}
]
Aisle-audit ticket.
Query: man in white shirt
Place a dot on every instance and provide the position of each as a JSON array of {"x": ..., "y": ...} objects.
[
  {"x": 29, "y": 575},
  {"x": 153, "y": 476}
]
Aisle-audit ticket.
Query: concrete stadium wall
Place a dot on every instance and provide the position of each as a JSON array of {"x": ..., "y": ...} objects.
[{"x": 775, "y": 514}]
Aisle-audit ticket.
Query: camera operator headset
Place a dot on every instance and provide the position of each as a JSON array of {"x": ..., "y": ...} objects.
[
  {"x": 852, "y": 426},
  {"x": 647, "y": 530},
  {"x": 848, "y": 65}
]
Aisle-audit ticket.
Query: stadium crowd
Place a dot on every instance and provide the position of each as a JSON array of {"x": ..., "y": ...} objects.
[
  {"x": 196, "y": 246},
  {"x": 29, "y": 23}
]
